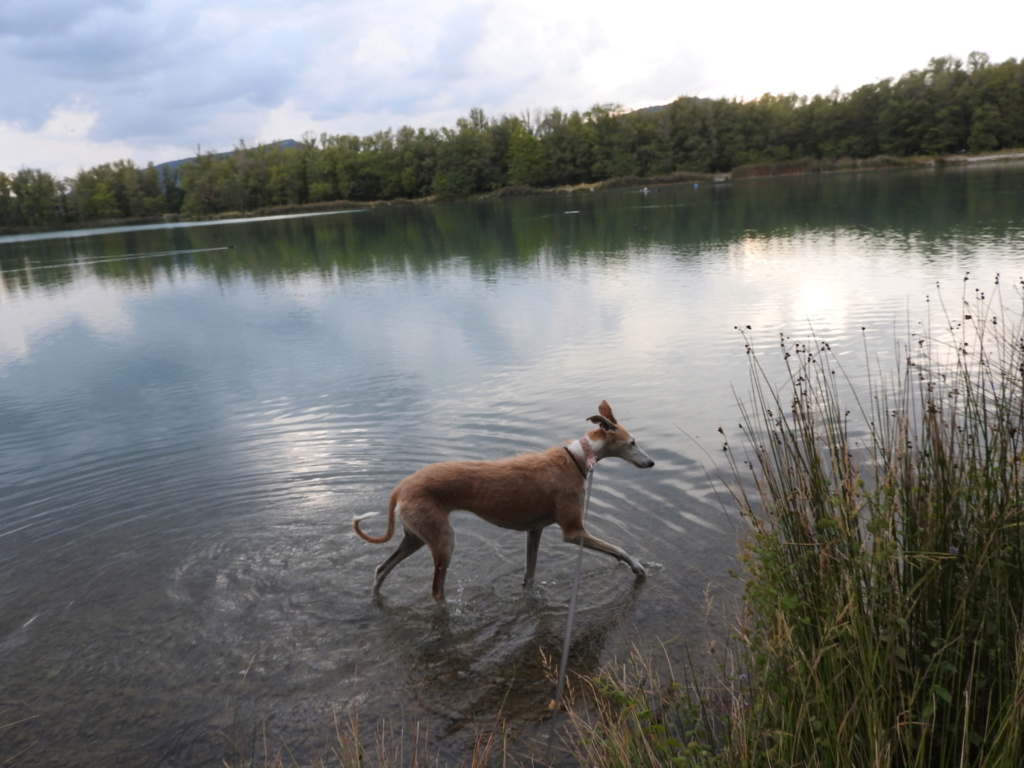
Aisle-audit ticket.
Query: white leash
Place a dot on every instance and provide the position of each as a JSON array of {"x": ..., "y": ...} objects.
[{"x": 564, "y": 663}]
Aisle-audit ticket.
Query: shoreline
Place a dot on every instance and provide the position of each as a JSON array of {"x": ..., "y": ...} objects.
[{"x": 800, "y": 167}]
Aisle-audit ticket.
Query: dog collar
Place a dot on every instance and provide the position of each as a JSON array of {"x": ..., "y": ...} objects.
[
  {"x": 589, "y": 459},
  {"x": 588, "y": 452}
]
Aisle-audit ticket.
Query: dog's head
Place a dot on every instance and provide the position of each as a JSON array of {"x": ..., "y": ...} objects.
[{"x": 615, "y": 440}]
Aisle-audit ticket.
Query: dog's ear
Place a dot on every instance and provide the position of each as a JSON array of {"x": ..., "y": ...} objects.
[
  {"x": 603, "y": 423},
  {"x": 606, "y": 410}
]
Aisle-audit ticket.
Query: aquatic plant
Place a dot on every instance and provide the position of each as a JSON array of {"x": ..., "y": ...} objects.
[
  {"x": 885, "y": 564},
  {"x": 630, "y": 716}
]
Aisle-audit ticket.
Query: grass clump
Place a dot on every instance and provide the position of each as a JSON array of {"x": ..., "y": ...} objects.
[
  {"x": 384, "y": 745},
  {"x": 630, "y": 717},
  {"x": 885, "y": 566}
]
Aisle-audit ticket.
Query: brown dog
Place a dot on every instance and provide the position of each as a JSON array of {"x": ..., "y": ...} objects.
[{"x": 525, "y": 493}]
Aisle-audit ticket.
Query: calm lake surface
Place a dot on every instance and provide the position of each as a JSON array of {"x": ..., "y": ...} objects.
[{"x": 190, "y": 416}]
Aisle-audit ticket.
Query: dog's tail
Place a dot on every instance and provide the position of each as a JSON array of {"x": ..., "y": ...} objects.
[{"x": 392, "y": 504}]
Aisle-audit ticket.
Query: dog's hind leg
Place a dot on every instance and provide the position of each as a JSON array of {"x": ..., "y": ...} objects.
[
  {"x": 532, "y": 545},
  {"x": 411, "y": 543}
]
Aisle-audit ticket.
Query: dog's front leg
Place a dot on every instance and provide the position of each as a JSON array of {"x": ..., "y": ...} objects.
[
  {"x": 592, "y": 542},
  {"x": 532, "y": 545}
]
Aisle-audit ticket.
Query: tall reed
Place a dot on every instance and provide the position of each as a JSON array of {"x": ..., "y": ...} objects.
[{"x": 885, "y": 566}]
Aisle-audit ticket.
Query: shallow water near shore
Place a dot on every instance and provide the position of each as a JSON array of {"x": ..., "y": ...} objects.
[{"x": 191, "y": 416}]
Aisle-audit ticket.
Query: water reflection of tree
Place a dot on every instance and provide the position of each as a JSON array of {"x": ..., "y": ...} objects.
[{"x": 921, "y": 208}]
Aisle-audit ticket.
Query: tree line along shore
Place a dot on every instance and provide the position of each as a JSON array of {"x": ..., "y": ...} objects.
[{"x": 948, "y": 109}]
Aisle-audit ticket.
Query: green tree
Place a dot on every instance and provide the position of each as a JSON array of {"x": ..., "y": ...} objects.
[
  {"x": 103, "y": 201},
  {"x": 902, "y": 120},
  {"x": 246, "y": 177},
  {"x": 569, "y": 145},
  {"x": 986, "y": 127},
  {"x": 612, "y": 145},
  {"x": 338, "y": 178},
  {"x": 976, "y": 61},
  {"x": 527, "y": 158},
  {"x": 726, "y": 139},
  {"x": 417, "y": 158},
  {"x": 997, "y": 103},
  {"x": 689, "y": 142},
  {"x": 200, "y": 185},
  {"x": 465, "y": 159},
  {"x": 170, "y": 186},
  {"x": 152, "y": 198},
  {"x": 37, "y": 199},
  {"x": 856, "y": 127},
  {"x": 6, "y": 200},
  {"x": 948, "y": 124}
]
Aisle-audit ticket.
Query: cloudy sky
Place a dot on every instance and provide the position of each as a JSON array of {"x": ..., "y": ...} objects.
[{"x": 93, "y": 81}]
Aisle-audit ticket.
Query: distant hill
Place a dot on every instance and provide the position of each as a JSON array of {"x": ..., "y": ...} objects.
[
  {"x": 651, "y": 110},
  {"x": 173, "y": 166}
]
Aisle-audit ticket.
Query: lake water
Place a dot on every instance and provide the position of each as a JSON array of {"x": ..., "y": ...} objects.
[{"x": 190, "y": 417}]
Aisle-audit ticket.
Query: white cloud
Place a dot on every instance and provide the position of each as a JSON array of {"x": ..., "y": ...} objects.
[
  {"x": 68, "y": 123},
  {"x": 61, "y": 145}
]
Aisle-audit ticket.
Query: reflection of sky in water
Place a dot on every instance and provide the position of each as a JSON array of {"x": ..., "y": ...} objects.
[
  {"x": 654, "y": 326},
  {"x": 652, "y": 331}
]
